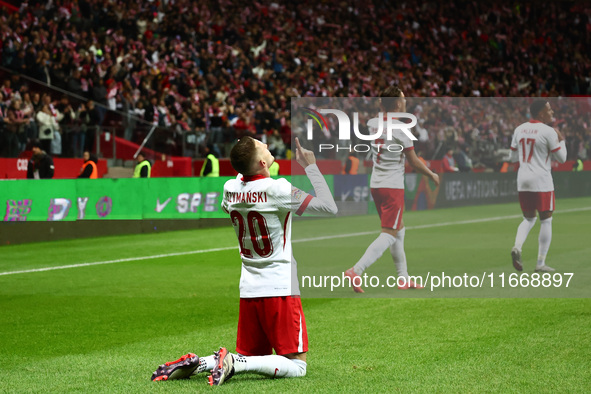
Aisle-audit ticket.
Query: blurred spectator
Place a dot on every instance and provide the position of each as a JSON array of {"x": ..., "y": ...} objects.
[
  {"x": 351, "y": 166},
  {"x": 63, "y": 137},
  {"x": 3, "y": 114},
  {"x": 276, "y": 145},
  {"x": 449, "y": 163},
  {"x": 74, "y": 84},
  {"x": 88, "y": 117},
  {"x": 463, "y": 159},
  {"x": 286, "y": 132},
  {"x": 89, "y": 167},
  {"x": 244, "y": 124},
  {"x": 77, "y": 133},
  {"x": 216, "y": 124},
  {"x": 15, "y": 123},
  {"x": 31, "y": 130},
  {"x": 41, "y": 164},
  {"x": 211, "y": 165},
  {"x": 99, "y": 95},
  {"x": 274, "y": 169},
  {"x": 36, "y": 102},
  {"x": 129, "y": 117},
  {"x": 143, "y": 169},
  {"x": 578, "y": 165},
  {"x": 48, "y": 125}
]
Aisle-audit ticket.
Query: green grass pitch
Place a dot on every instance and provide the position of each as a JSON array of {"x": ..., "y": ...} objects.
[{"x": 105, "y": 328}]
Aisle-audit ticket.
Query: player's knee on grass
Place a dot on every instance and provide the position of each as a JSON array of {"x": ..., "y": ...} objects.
[{"x": 300, "y": 370}]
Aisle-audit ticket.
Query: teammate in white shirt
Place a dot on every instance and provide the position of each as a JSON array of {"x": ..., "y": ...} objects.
[
  {"x": 535, "y": 145},
  {"x": 270, "y": 316},
  {"x": 387, "y": 190}
]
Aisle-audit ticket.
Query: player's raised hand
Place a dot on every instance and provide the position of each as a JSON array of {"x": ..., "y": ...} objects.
[{"x": 304, "y": 157}]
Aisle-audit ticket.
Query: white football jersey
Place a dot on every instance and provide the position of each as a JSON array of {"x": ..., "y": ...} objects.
[
  {"x": 261, "y": 210},
  {"x": 388, "y": 157},
  {"x": 534, "y": 142}
]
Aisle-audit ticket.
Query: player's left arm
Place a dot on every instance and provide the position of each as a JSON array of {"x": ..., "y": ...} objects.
[
  {"x": 408, "y": 150},
  {"x": 557, "y": 146},
  {"x": 419, "y": 166},
  {"x": 323, "y": 203}
]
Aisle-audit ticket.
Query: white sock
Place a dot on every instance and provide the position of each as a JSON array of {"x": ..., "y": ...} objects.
[
  {"x": 205, "y": 364},
  {"x": 398, "y": 255},
  {"x": 523, "y": 230},
  {"x": 544, "y": 240},
  {"x": 273, "y": 366},
  {"x": 374, "y": 252}
]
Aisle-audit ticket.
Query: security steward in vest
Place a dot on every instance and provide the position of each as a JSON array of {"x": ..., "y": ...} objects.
[
  {"x": 143, "y": 169},
  {"x": 89, "y": 168},
  {"x": 211, "y": 166},
  {"x": 578, "y": 165},
  {"x": 351, "y": 165},
  {"x": 274, "y": 169}
]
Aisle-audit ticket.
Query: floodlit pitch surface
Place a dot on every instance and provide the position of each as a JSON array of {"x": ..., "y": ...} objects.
[{"x": 106, "y": 327}]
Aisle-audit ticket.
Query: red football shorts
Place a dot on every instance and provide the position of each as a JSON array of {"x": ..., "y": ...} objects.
[
  {"x": 540, "y": 201},
  {"x": 390, "y": 204},
  {"x": 271, "y": 323}
]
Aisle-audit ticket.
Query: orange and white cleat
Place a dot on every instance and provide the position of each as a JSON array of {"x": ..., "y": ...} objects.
[
  {"x": 182, "y": 368},
  {"x": 350, "y": 273},
  {"x": 223, "y": 369}
]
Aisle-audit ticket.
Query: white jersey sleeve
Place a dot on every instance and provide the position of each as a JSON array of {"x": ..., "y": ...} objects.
[
  {"x": 557, "y": 148},
  {"x": 299, "y": 201},
  {"x": 559, "y": 154}
]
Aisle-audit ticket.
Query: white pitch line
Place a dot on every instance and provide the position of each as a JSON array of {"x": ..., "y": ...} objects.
[{"x": 156, "y": 256}]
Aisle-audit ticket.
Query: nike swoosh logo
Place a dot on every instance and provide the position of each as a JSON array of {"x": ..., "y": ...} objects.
[{"x": 160, "y": 207}]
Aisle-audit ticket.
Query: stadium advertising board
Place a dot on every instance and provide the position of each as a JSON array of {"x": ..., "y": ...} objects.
[
  {"x": 117, "y": 199},
  {"x": 111, "y": 199},
  {"x": 472, "y": 189},
  {"x": 194, "y": 198},
  {"x": 351, "y": 194}
]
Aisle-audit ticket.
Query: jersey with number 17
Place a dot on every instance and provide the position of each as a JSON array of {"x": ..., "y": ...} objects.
[
  {"x": 261, "y": 209},
  {"x": 534, "y": 142},
  {"x": 388, "y": 156}
]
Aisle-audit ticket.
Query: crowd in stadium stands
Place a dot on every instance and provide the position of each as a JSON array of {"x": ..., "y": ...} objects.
[
  {"x": 212, "y": 71},
  {"x": 477, "y": 130}
]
